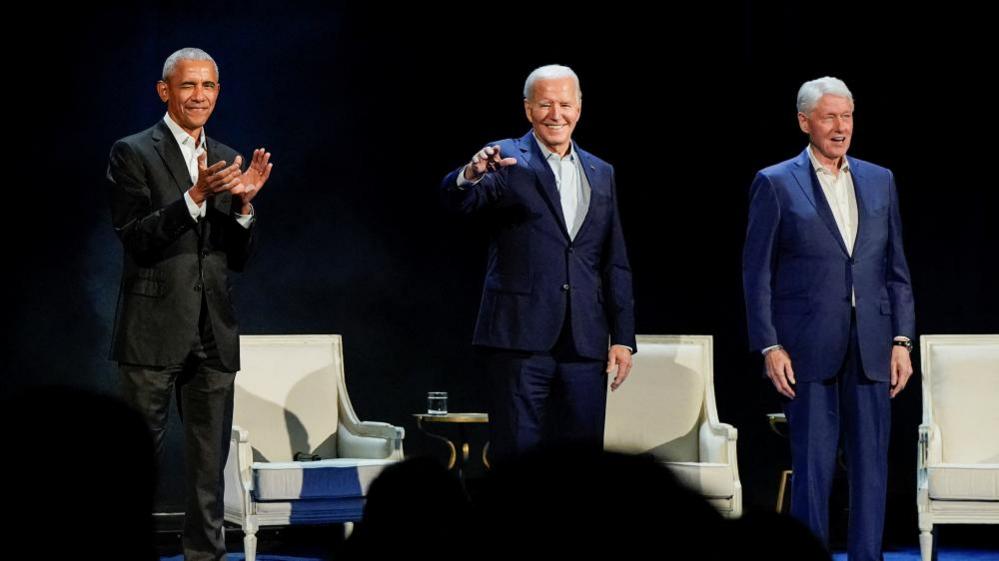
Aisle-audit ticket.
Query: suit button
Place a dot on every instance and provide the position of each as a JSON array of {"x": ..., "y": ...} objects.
[
  {"x": 197, "y": 287},
  {"x": 565, "y": 288},
  {"x": 570, "y": 250},
  {"x": 204, "y": 253}
]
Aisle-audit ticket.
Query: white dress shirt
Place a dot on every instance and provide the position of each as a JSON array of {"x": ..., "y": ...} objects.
[
  {"x": 573, "y": 187},
  {"x": 191, "y": 150}
]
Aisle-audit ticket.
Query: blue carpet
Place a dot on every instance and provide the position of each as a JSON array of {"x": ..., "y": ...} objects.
[
  {"x": 903, "y": 555},
  {"x": 945, "y": 554},
  {"x": 260, "y": 557}
]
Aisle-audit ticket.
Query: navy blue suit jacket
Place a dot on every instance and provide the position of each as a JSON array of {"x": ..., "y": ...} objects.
[
  {"x": 798, "y": 275},
  {"x": 535, "y": 273}
]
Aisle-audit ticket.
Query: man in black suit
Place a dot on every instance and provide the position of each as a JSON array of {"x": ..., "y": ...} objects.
[{"x": 181, "y": 205}]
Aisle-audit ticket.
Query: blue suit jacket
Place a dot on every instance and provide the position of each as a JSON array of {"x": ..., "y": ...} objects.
[
  {"x": 797, "y": 273},
  {"x": 535, "y": 273}
]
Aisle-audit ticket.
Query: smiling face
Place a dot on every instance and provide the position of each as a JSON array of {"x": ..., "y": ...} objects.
[
  {"x": 190, "y": 93},
  {"x": 829, "y": 127},
  {"x": 553, "y": 110}
]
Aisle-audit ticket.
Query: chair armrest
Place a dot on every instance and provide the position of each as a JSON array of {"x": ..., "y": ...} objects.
[
  {"x": 925, "y": 443},
  {"x": 929, "y": 446},
  {"x": 370, "y": 439},
  {"x": 928, "y": 452},
  {"x": 241, "y": 459},
  {"x": 239, "y": 435},
  {"x": 238, "y": 476},
  {"x": 717, "y": 442}
]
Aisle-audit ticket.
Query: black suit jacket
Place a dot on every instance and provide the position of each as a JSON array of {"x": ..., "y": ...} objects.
[{"x": 171, "y": 262}]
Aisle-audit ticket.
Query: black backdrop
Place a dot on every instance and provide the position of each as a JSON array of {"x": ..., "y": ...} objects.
[{"x": 365, "y": 109}]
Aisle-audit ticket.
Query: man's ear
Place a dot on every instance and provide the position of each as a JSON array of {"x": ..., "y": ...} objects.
[{"x": 803, "y": 123}]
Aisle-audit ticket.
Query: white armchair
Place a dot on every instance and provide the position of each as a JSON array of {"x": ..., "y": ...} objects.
[
  {"x": 667, "y": 409},
  {"x": 291, "y": 398},
  {"x": 958, "y": 459}
]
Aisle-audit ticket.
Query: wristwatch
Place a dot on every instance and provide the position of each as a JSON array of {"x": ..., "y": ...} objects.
[{"x": 903, "y": 343}]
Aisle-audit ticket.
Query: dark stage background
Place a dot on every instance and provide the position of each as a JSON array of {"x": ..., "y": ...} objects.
[{"x": 365, "y": 110}]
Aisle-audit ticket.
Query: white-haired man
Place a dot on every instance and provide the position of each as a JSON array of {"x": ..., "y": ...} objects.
[
  {"x": 827, "y": 290},
  {"x": 557, "y": 311}
]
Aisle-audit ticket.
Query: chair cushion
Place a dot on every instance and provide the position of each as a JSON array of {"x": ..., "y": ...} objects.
[
  {"x": 961, "y": 482},
  {"x": 713, "y": 481},
  {"x": 324, "y": 479},
  {"x": 311, "y": 511},
  {"x": 660, "y": 409},
  {"x": 964, "y": 389}
]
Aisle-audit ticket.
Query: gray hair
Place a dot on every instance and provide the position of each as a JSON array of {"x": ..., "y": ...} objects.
[
  {"x": 187, "y": 53},
  {"x": 812, "y": 91},
  {"x": 550, "y": 72}
]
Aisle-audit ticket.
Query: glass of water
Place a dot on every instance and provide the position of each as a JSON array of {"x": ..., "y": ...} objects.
[{"x": 437, "y": 403}]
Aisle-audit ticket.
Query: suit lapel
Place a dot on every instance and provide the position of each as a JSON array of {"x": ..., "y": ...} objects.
[
  {"x": 864, "y": 204},
  {"x": 546, "y": 179},
  {"x": 169, "y": 152},
  {"x": 804, "y": 174},
  {"x": 592, "y": 177}
]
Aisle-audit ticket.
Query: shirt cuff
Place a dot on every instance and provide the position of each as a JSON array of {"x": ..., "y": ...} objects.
[
  {"x": 197, "y": 211},
  {"x": 245, "y": 220},
  {"x": 771, "y": 348},
  {"x": 462, "y": 182}
]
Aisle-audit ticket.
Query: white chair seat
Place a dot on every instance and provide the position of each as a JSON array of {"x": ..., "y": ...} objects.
[
  {"x": 325, "y": 479},
  {"x": 964, "y": 482}
]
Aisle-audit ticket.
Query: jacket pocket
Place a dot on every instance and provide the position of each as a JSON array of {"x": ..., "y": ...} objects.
[
  {"x": 512, "y": 284},
  {"x": 147, "y": 282}
]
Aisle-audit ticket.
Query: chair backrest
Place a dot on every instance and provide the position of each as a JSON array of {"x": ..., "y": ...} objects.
[
  {"x": 961, "y": 395},
  {"x": 659, "y": 408},
  {"x": 286, "y": 394}
]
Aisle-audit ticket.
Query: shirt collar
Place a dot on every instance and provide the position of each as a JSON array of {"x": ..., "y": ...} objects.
[
  {"x": 819, "y": 168},
  {"x": 571, "y": 154},
  {"x": 183, "y": 139}
]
